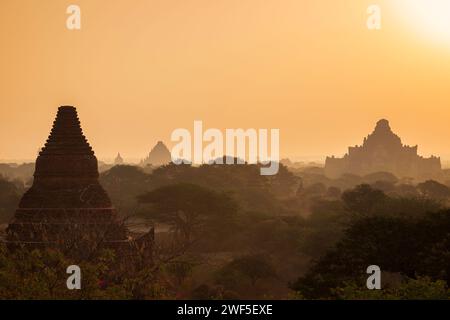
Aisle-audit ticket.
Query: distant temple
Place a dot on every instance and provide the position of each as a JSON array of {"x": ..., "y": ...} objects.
[
  {"x": 118, "y": 160},
  {"x": 158, "y": 156},
  {"x": 66, "y": 207},
  {"x": 382, "y": 150}
]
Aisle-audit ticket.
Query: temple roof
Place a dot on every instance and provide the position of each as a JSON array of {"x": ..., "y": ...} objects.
[
  {"x": 382, "y": 137},
  {"x": 66, "y": 136}
]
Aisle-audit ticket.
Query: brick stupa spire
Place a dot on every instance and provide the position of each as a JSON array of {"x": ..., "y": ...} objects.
[
  {"x": 66, "y": 173},
  {"x": 66, "y": 206}
]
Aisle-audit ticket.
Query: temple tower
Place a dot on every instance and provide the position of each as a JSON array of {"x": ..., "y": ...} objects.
[
  {"x": 66, "y": 207},
  {"x": 383, "y": 151},
  {"x": 118, "y": 160},
  {"x": 158, "y": 156}
]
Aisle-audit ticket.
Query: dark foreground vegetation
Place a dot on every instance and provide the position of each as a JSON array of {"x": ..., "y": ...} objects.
[{"x": 225, "y": 231}]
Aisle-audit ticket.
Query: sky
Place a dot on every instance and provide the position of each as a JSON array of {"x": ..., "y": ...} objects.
[{"x": 137, "y": 70}]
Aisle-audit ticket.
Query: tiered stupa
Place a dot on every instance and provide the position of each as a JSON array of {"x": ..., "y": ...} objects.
[
  {"x": 158, "y": 156},
  {"x": 66, "y": 207},
  {"x": 382, "y": 150}
]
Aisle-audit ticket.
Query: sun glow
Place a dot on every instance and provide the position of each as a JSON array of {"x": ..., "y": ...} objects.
[{"x": 431, "y": 18}]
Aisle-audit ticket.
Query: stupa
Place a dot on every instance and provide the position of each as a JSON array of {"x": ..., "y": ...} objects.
[
  {"x": 118, "y": 160},
  {"x": 383, "y": 151},
  {"x": 66, "y": 207},
  {"x": 158, "y": 156}
]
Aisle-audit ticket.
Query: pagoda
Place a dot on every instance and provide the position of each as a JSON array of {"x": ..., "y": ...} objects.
[
  {"x": 158, "y": 156},
  {"x": 383, "y": 151},
  {"x": 66, "y": 207},
  {"x": 118, "y": 160}
]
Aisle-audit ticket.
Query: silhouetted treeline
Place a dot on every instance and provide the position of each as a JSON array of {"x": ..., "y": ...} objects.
[{"x": 225, "y": 231}]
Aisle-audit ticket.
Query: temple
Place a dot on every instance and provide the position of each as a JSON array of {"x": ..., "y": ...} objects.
[
  {"x": 382, "y": 150},
  {"x": 66, "y": 207},
  {"x": 118, "y": 160},
  {"x": 158, "y": 156}
]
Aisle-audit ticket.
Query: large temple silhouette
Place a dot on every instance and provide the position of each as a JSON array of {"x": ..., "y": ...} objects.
[
  {"x": 383, "y": 151},
  {"x": 66, "y": 207}
]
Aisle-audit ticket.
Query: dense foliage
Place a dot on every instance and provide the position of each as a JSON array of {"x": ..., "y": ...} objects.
[{"x": 225, "y": 231}]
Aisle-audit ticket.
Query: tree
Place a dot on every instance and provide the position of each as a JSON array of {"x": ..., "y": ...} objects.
[
  {"x": 244, "y": 182},
  {"x": 10, "y": 195},
  {"x": 41, "y": 274},
  {"x": 422, "y": 288},
  {"x": 385, "y": 186},
  {"x": 253, "y": 267},
  {"x": 333, "y": 192},
  {"x": 180, "y": 270},
  {"x": 363, "y": 199},
  {"x": 315, "y": 189},
  {"x": 191, "y": 210},
  {"x": 124, "y": 183},
  {"x": 434, "y": 190},
  {"x": 411, "y": 247},
  {"x": 406, "y": 190},
  {"x": 380, "y": 176},
  {"x": 323, "y": 227}
]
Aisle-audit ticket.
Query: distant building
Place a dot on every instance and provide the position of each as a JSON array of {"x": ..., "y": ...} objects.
[
  {"x": 158, "y": 156},
  {"x": 383, "y": 151},
  {"x": 118, "y": 160}
]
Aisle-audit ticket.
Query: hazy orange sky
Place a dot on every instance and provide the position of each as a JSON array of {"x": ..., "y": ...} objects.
[{"x": 139, "y": 69}]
